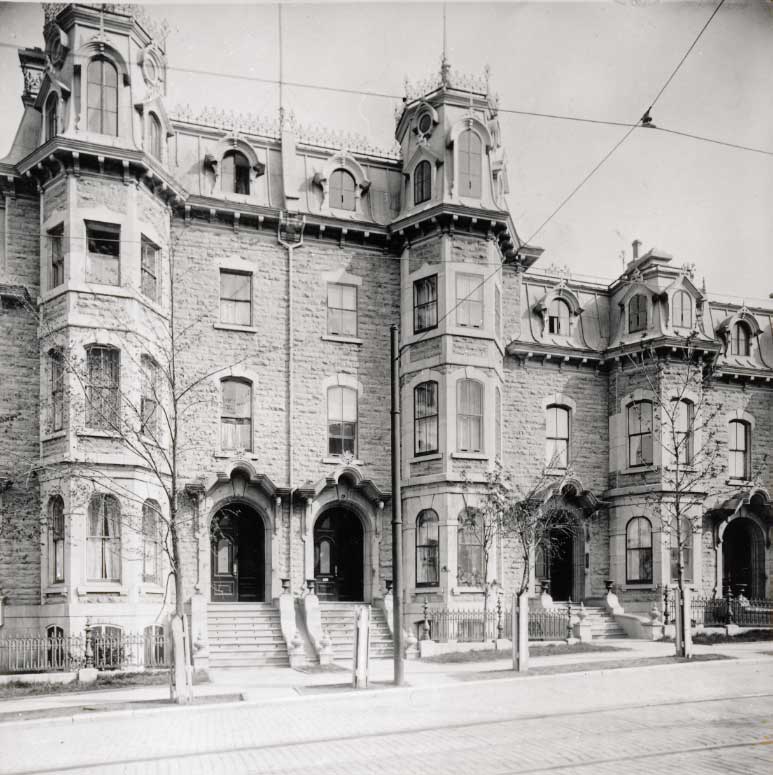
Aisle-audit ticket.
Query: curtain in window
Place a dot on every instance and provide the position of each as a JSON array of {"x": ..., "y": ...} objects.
[
  {"x": 102, "y": 389},
  {"x": 342, "y": 309},
  {"x": 425, "y": 408},
  {"x": 738, "y": 449},
  {"x": 638, "y": 551},
  {"x": 236, "y": 417},
  {"x": 104, "y": 542},
  {"x": 341, "y": 190},
  {"x": 469, "y": 415},
  {"x": 469, "y": 299},
  {"x": 557, "y": 436},
  {"x": 427, "y": 548}
]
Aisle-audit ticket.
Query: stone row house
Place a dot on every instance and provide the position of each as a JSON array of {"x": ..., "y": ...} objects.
[{"x": 268, "y": 262}]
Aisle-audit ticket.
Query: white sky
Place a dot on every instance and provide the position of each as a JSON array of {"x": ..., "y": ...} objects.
[{"x": 701, "y": 202}]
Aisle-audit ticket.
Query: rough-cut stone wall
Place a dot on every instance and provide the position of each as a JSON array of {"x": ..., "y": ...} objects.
[{"x": 20, "y": 510}]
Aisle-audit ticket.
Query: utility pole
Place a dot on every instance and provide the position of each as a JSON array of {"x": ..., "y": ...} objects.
[{"x": 397, "y": 518}]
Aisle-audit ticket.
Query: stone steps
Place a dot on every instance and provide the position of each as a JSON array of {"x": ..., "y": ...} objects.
[
  {"x": 338, "y": 622},
  {"x": 603, "y": 624},
  {"x": 245, "y": 635}
]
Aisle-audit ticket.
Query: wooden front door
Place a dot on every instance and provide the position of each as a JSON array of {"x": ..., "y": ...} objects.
[
  {"x": 338, "y": 556},
  {"x": 238, "y": 561}
]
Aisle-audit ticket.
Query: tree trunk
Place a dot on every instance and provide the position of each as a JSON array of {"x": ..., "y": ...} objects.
[{"x": 181, "y": 686}]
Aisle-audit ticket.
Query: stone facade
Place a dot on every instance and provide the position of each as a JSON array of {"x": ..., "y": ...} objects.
[{"x": 253, "y": 272}]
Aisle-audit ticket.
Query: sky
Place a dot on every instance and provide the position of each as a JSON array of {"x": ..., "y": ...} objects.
[{"x": 704, "y": 203}]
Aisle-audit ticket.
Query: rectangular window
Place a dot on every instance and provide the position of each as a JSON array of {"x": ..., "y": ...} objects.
[
  {"x": 738, "y": 450},
  {"x": 683, "y": 426},
  {"x": 149, "y": 397},
  {"x": 56, "y": 365},
  {"x": 56, "y": 257},
  {"x": 102, "y": 387},
  {"x": 342, "y": 420},
  {"x": 236, "y": 416},
  {"x": 425, "y": 423},
  {"x": 149, "y": 280},
  {"x": 557, "y": 437},
  {"x": 640, "y": 434},
  {"x": 498, "y": 422},
  {"x": 341, "y": 309},
  {"x": 56, "y": 516},
  {"x": 469, "y": 416},
  {"x": 497, "y": 312},
  {"x": 235, "y": 298},
  {"x": 103, "y": 260},
  {"x": 425, "y": 304},
  {"x": 469, "y": 300}
]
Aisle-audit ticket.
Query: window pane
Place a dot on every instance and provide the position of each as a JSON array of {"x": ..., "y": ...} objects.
[
  {"x": 236, "y": 399},
  {"x": 235, "y": 286}
]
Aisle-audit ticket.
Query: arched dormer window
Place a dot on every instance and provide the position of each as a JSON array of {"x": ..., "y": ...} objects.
[
  {"x": 235, "y": 173},
  {"x": 422, "y": 183},
  {"x": 427, "y": 549},
  {"x": 681, "y": 310},
  {"x": 740, "y": 339},
  {"x": 52, "y": 107},
  {"x": 102, "y": 97},
  {"x": 558, "y": 317},
  {"x": 470, "y": 158},
  {"x": 637, "y": 313},
  {"x": 154, "y": 136},
  {"x": 342, "y": 190}
]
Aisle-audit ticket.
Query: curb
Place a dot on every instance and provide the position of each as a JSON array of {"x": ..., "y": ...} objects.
[{"x": 244, "y": 703}]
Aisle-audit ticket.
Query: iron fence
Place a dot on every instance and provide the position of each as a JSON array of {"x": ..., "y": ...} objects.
[
  {"x": 745, "y": 612},
  {"x": 61, "y": 654},
  {"x": 470, "y": 626}
]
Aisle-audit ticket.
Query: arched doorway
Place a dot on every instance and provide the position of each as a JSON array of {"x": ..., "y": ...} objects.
[
  {"x": 338, "y": 555},
  {"x": 743, "y": 559},
  {"x": 238, "y": 562}
]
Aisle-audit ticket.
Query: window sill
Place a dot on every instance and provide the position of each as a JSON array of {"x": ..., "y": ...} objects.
[
  {"x": 99, "y": 434},
  {"x": 639, "y": 469},
  {"x": 737, "y": 481},
  {"x": 642, "y": 587},
  {"x": 225, "y": 455},
  {"x": 344, "y": 339},
  {"x": 58, "y": 588},
  {"x": 102, "y": 587},
  {"x": 337, "y": 461},
  {"x": 151, "y": 588},
  {"x": 235, "y": 327},
  {"x": 55, "y": 435},
  {"x": 467, "y": 591},
  {"x": 429, "y": 590},
  {"x": 555, "y": 472},
  {"x": 683, "y": 469},
  {"x": 469, "y": 455},
  {"x": 425, "y": 458}
]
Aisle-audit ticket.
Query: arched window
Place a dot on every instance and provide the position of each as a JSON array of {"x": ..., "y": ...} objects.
[
  {"x": 739, "y": 446},
  {"x": 425, "y": 418},
  {"x": 235, "y": 172},
  {"x": 681, "y": 310},
  {"x": 342, "y": 420},
  {"x": 422, "y": 183},
  {"x": 154, "y": 132},
  {"x": 469, "y": 415},
  {"x": 342, "y": 190},
  {"x": 638, "y": 551},
  {"x": 637, "y": 313},
  {"x": 469, "y": 550},
  {"x": 52, "y": 122},
  {"x": 103, "y": 387},
  {"x": 236, "y": 415},
  {"x": 740, "y": 339},
  {"x": 155, "y": 646},
  {"x": 57, "y": 647},
  {"x": 427, "y": 549},
  {"x": 324, "y": 558},
  {"x": 558, "y": 317},
  {"x": 685, "y": 539},
  {"x": 104, "y": 541},
  {"x": 470, "y": 162},
  {"x": 683, "y": 423},
  {"x": 150, "y": 541},
  {"x": 640, "y": 433},
  {"x": 102, "y": 97},
  {"x": 56, "y": 538},
  {"x": 107, "y": 646},
  {"x": 557, "y": 436}
]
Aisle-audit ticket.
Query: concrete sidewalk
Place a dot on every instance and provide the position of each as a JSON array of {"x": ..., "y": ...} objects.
[{"x": 275, "y": 684}]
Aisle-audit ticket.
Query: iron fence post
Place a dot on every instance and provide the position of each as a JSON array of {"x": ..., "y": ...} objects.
[
  {"x": 569, "y": 619},
  {"x": 425, "y": 623},
  {"x": 665, "y": 604},
  {"x": 730, "y": 605},
  {"x": 88, "y": 654},
  {"x": 499, "y": 617}
]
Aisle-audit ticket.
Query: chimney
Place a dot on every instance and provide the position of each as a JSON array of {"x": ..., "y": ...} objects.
[{"x": 636, "y": 244}]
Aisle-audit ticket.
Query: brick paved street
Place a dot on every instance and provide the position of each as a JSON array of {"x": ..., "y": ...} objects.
[{"x": 708, "y": 717}]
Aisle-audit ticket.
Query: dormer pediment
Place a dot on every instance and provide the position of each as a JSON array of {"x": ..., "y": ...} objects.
[{"x": 422, "y": 152}]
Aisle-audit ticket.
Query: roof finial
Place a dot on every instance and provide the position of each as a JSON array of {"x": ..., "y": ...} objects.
[{"x": 444, "y": 66}]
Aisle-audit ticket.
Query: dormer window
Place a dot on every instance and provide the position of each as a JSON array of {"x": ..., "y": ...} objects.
[
  {"x": 235, "y": 173},
  {"x": 52, "y": 129},
  {"x": 154, "y": 136},
  {"x": 740, "y": 340},
  {"x": 681, "y": 310},
  {"x": 422, "y": 184},
  {"x": 470, "y": 158},
  {"x": 342, "y": 190},
  {"x": 637, "y": 313},
  {"x": 102, "y": 95},
  {"x": 558, "y": 317}
]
